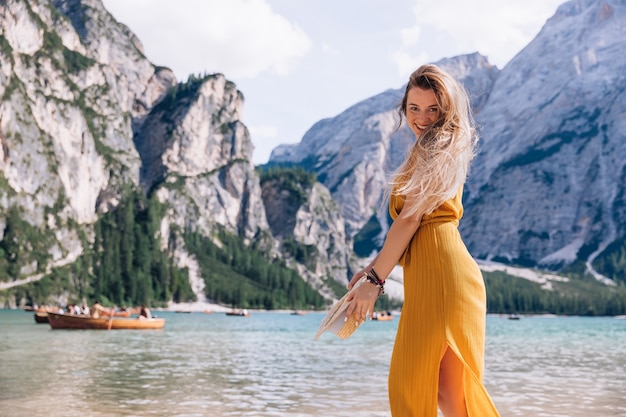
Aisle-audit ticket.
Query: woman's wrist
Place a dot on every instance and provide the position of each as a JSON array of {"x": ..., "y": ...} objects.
[
  {"x": 373, "y": 273},
  {"x": 372, "y": 277}
]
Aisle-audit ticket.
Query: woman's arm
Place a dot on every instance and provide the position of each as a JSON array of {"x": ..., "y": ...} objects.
[{"x": 398, "y": 237}]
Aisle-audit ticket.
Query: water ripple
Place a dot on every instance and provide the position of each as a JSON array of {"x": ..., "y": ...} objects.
[{"x": 268, "y": 365}]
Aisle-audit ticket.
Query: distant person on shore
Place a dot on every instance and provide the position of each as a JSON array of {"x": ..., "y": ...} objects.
[
  {"x": 144, "y": 312},
  {"x": 438, "y": 354}
]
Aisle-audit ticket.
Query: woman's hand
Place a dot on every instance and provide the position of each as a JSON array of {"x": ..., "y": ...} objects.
[
  {"x": 356, "y": 277},
  {"x": 362, "y": 300}
]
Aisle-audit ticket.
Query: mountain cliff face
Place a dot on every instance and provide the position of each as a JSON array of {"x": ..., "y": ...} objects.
[
  {"x": 547, "y": 186},
  {"x": 308, "y": 228},
  {"x": 76, "y": 90},
  {"x": 71, "y": 86},
  {"x": 85, "y": 117},
  {"x": 197, "y": 154}
]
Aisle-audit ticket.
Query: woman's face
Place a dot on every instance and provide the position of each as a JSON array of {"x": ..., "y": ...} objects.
[{"x": 421, "y": 110}]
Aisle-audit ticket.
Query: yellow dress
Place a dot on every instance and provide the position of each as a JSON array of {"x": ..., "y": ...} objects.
[{"x": 444, "y": 306}]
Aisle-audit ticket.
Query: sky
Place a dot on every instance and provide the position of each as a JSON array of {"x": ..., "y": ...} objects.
[{"x": 299, "y": 61}]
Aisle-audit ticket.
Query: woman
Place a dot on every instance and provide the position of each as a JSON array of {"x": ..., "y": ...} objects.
[{"x": 438, "y": 353}]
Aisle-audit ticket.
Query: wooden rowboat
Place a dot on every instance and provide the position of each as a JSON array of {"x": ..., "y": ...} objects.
[
  {"x": 41, "y": 317},
  {"x": 238, "y": 313},
  {"x": 68, "y": 321},
  {"x": 119, "y": 313},
  {"x": 382, "y": 317}
]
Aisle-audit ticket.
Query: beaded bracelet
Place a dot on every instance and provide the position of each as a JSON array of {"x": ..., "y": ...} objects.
[
  {"x": 372, "y": 277},
  {"x": 375, "y": 275}
]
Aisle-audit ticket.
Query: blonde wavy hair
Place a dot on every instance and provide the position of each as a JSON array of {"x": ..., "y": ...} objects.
[{"x": 438, "y": 162}]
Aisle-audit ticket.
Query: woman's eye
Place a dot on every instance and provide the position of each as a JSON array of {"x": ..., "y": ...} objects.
[{"x": 433, "y": 110}]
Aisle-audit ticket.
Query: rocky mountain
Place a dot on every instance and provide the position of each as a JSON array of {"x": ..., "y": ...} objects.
[
  {"x": 553, "y": 143},
  {"x": 547, "y": 188},
  {"x": 307, "y": 226},
  {"x": 85, "y": 117},
  {"x": 72, "y": 80}
]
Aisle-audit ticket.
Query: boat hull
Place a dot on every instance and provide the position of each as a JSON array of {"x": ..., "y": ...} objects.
[
  {"x": 66, "y": 321},
  {"x": 41, "y": 317},
  {"x": 383, "y": 317}
]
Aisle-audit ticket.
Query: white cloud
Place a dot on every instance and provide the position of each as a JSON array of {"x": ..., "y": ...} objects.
[
  {"x": 330, "y": 50},
  {"x": 495, "y": 28},
  {"x": 263, "y": 132},
  {"x": 240, "y": 38},
  {"x": 358, "y": 50},
  {"x": 410, "y": 35},
  {"x": 265, "y": 139},
  {"x": 407, "y": 62}
]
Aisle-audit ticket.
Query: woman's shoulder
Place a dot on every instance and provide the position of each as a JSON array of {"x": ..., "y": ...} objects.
[
  {"x": 396, "y": 203},
  {"x": 452, "y": 207}
]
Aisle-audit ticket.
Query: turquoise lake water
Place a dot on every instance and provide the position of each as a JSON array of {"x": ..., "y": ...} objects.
[{"x": 269, "y": 365}]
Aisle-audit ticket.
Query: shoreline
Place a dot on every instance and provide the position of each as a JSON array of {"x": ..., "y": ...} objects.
[
  {"x": 204, "y": 307},
  {"x": 208, "y": 308}
]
